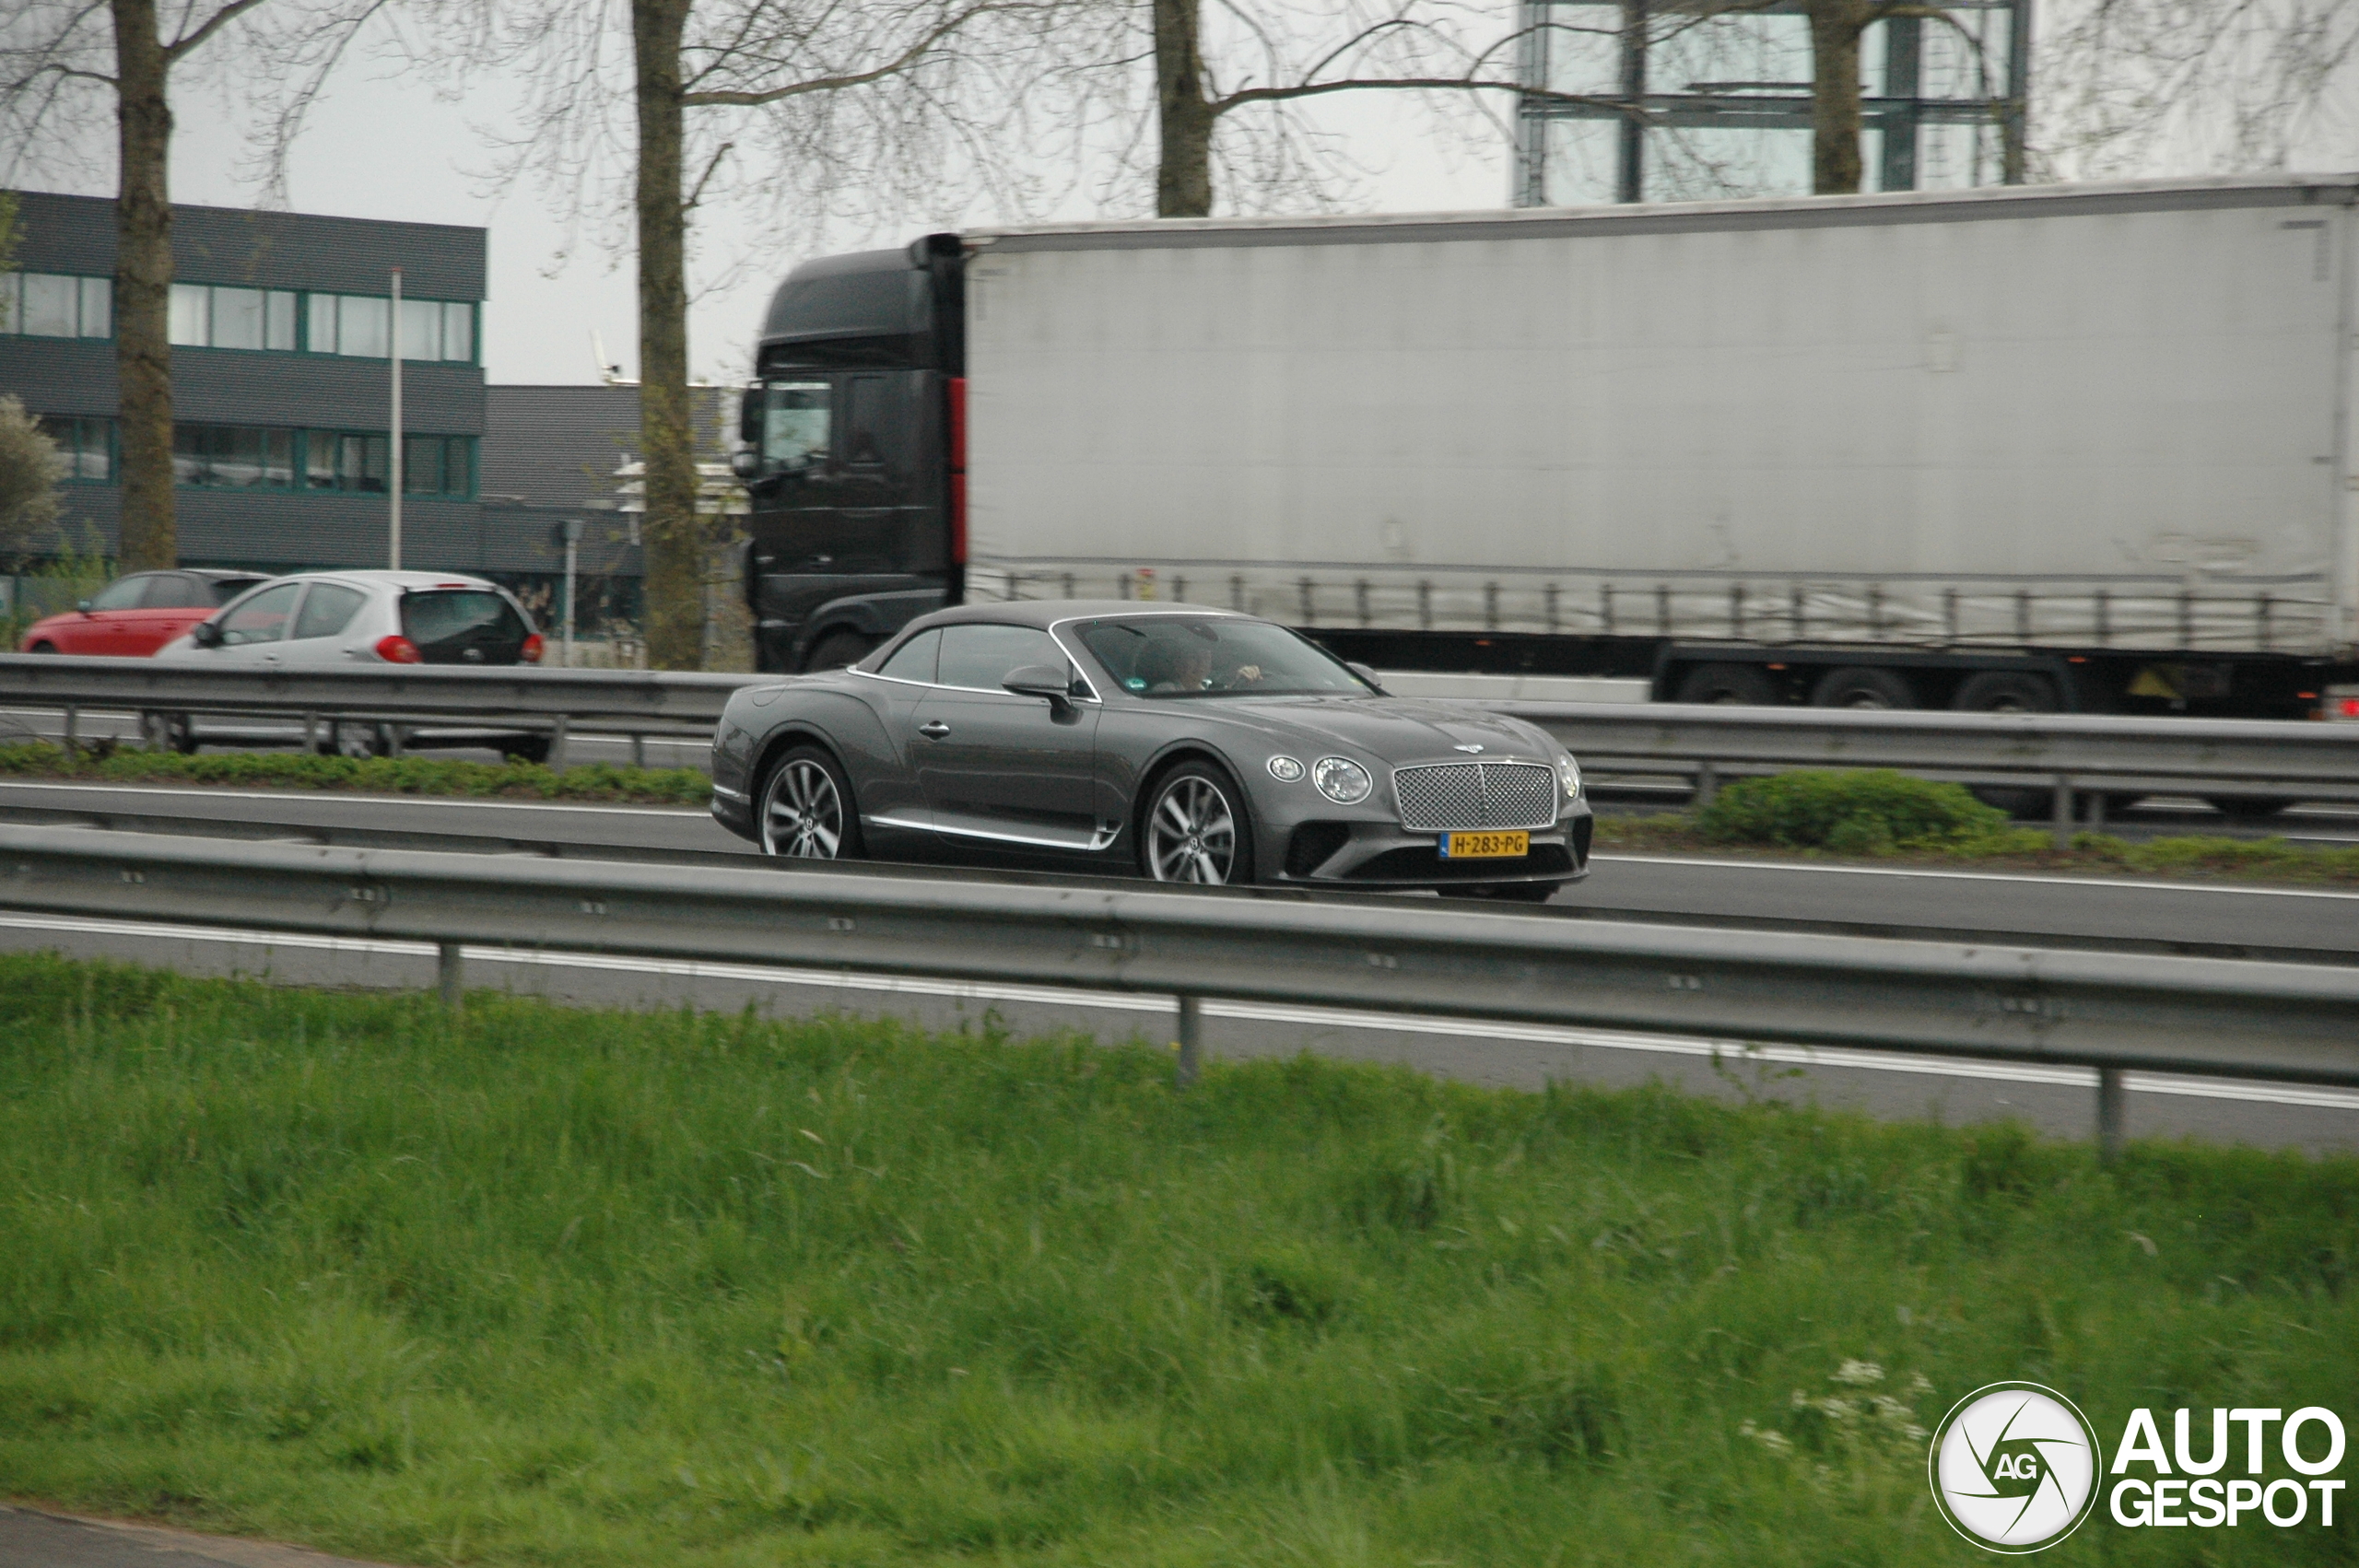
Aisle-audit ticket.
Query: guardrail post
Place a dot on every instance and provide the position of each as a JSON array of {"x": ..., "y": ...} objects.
[
  {"x": 638, "y": 751},
  {"x": 2061, "y": 826},
  {"x": 557, "y": 743},
  {"x": 311, "y": 733},
  {"x": 1706, "y": 782},
  {"x": 1190, "y": 1043},
  {"x": 73, "y": 716},
  {"x": 450, "y": 973},
  {"x": 2113, "y": 1113}
]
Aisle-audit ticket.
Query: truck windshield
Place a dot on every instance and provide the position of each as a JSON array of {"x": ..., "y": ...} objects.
[
  {"x": 794, "y": 424},
  {"x": 1182, "y": 655}
]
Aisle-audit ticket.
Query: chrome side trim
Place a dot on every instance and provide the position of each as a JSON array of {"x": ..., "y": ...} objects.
[
  {"x": 1098, "y": 839},
  {"x": 732, "y": 794}
]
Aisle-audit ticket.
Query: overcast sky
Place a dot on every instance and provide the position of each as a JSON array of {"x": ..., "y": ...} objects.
[{"x": 383, "y": 146}]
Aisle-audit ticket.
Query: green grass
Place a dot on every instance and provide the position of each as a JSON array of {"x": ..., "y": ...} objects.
[
  {"x": 542, "y": 1286},
  {"x": 106, "y": 763}
]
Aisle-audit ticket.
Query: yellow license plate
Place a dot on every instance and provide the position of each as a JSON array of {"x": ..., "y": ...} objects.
[{"x": 1484, "y": 845}]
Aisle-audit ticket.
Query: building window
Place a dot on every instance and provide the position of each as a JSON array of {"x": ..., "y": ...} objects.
[
  {"x": 357, "y": 325},
  {"x": 204, "y": 316},
  {"x": 236, "y": 457},
  {"x": 87, "y": 445},
  {"x": 43, "y": 304}
]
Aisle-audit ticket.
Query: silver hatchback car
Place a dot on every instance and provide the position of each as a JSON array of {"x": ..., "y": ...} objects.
[{"x": 345, "y": 618}]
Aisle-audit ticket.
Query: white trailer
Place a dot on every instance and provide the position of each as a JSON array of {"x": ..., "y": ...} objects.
[{"x": 2100, "y": 430}]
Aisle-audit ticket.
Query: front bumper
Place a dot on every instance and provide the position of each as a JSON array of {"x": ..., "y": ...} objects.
[{"x": 1342, "y": 852}]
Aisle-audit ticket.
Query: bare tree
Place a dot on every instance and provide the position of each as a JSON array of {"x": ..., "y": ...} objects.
[
  {"x": 1445, "y": 54},
  {"x": 60, "y": 61},
  {"x": 2222, "y": 85}
]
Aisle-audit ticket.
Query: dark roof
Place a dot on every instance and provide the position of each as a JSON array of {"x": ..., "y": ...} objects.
[
  {"x": 560, "y": 446},
  {"x": 1046, "y": 612},
  {"x": 261, "y": 250}
]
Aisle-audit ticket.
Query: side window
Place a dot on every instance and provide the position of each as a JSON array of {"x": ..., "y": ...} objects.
[
  {"x": 121, "y": 595},
  {"x": 262, "y": 619},
  {"x": 980, "y": 656},
  {"x": 794, "y": 424},
  {"x": 327, "y": 610},
  {"x": 178, "y": 590},
  {"x": 913, "y": 661}
]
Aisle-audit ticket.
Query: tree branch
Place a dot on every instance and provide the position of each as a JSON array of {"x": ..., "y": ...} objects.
[{"x": 214, "y": 23}]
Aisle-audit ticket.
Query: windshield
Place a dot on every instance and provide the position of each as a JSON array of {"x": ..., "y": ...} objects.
[{"x": 1160, "y": 656}]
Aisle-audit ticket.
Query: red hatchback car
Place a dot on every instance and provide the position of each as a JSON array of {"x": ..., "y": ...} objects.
[{"x": 135, "y": 615}]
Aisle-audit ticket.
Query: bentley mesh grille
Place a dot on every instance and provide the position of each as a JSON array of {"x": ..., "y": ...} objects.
[{"x": 1475, "y": 794}]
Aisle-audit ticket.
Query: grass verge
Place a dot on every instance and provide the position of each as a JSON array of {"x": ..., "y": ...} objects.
[
  {"x": 547, "y": 1286},
  {"x": 109, "y": 763},
  {"x": 1876, "y": 815}
]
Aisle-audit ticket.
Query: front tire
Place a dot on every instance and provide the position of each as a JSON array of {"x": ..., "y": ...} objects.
[
  {"x": 1195, "y": 829},
  {"x": 836, "y": 650},
  {"x": 356, "y": 740},
  {"x": 806, "y": 812}
]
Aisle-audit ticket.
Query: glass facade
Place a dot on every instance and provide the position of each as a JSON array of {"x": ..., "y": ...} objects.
[
  {"x": 237, "y": 456},
  {"x": 206, "y": 315},
  {"x": 87, "y": 445},
  {"x": 48, "y": 304}
]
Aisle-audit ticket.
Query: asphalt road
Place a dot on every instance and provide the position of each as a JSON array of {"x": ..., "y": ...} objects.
[{"x": 2058, "y": 1100}]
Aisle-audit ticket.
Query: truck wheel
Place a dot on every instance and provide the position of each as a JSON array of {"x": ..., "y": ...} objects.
[
  {"x": 838, "y": 650},
  {"x": 2246, "y": 808},
  {"x": 1863, "y": 687},
  {"x": 2005, "y": 691},
  {"x": 1723, "y": 684}
]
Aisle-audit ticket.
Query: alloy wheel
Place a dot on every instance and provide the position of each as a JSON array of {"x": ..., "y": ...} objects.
[
  {"x": 802, "y": 812},
  {"x": 1191, "y": 833}
]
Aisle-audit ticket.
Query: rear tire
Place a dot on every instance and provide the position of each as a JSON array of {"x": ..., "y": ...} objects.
[
  {"x": 806, "y": 810},
  {"x": 1196, "y": 828},
  {"x": 1864, "y": 687},
  {"x": 836, "y": 650},
  {"x": 168, "y": 732},
  {"x": 2006, "y": 691},
  {"x": 1728, "y": 685},
  {"x": 43, "y": 648},
  {"x": 357, "y": 740}
]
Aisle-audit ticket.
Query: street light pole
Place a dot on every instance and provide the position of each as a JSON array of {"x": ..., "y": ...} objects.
[
  {"x": 393, "y": 467},
  {"x": 572, "y": 558}
]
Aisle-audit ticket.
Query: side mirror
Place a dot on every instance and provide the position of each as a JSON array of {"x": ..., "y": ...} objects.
[
  {"x": 1042, "y": 680},
  {"x": 205, "y": 634},
  {"x": 82, "y": 605},
  {"x": 1365, "y": 674},
  {"x": 746, "y": 464}
]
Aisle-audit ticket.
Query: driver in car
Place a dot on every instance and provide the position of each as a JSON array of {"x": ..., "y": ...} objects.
[{"x": 1188, "y": 667}]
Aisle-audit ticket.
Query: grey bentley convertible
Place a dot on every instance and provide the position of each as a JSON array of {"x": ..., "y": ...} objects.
[{"x": 1179, "y": 743}]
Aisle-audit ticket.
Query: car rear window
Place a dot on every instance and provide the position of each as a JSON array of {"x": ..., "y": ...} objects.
[{"x": 460, "y": 625}]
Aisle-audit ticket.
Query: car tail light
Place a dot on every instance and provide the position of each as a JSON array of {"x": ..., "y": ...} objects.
[
  {"x": 399, "y": 649},
  {"x": 531, "y": 652},
  {"x": 2350, "y": 709}
]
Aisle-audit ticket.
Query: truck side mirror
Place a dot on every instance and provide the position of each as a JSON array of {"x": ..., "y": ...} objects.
[{"x": 746, "y": 464}]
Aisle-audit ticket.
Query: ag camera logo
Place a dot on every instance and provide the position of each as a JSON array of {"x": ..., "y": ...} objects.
[{"x": 2014, "y": 1468}]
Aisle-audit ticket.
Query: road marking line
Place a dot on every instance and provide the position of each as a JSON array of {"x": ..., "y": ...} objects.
[
  {"x": 332, "y": 795},
  {"x": 1736, "y": 1051}
]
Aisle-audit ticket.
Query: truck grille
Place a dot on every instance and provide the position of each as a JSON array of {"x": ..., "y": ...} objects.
[{"x": 1475, "y": 794}]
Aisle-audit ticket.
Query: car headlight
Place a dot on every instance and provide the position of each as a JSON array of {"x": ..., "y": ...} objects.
[
  {"x": 1569, "y": 772},
  {"x": 1341, "y": 781},
  {"x": 1284, "y": 769}
]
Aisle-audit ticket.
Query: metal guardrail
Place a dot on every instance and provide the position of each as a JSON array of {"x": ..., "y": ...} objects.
[
  {"x": 2070, "y": 755},
  {"x": 634, "y": 702},
  {"x": 2113, "y": 1012}
]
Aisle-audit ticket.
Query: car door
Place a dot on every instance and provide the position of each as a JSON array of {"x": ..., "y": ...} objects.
[
  {"x": 253, "y": 630},
  {"x": 174, "y": 602},
  {"x": 105, "y": 628},
  {"x": 317, "y": 637},
  {"x": 998, "y": 771}
]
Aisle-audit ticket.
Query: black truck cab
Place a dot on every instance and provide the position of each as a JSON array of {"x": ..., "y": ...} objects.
[{"x": 854, "y": 432}]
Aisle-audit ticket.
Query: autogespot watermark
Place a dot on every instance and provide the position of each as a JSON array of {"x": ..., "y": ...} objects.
[{"x": 2017, "y": 1467}]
